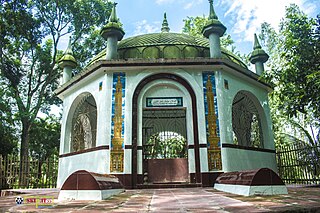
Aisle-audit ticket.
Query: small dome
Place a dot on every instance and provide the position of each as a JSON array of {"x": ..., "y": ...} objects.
[{"x": 166, "y": 45}]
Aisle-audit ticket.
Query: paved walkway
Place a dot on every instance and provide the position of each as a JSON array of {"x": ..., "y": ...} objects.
[{"x": 176, "y": 200}]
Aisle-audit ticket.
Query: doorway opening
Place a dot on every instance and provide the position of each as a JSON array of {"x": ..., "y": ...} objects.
[{"x": 165, "y": 151}]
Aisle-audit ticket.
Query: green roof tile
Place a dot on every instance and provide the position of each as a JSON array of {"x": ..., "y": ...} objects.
[{"x": 134, "y": 47}]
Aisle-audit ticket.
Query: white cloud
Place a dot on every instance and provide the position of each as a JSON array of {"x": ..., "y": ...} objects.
[
  {"x": 187, "y": 4},
  {"x": 143, "y": 27},
  {"x": 247, "y": 15},
  {"x": 164, "y": 1},
  {"x": 190, "y": 4}
]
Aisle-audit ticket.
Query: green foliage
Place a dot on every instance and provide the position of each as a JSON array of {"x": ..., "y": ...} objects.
[
  {"x": 8, "y": 137},
  {"x": 294, "y": 68},
  {"x": 30, "y": 32},
  {"x": 158, "y": 147},
  {"x": 301, "y": 55},
  {"x": 194, "y": 25},
  {"x": 88, "y": 47},
  {"x": 45, "y": 138}
]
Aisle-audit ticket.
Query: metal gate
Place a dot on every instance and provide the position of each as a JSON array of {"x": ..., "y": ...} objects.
[{"x": 165, "y": 153}]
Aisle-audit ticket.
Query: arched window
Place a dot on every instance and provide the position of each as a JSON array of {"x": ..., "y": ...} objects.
[
  {"x": 246, "y": 120},
  {"x": 84, "y": 124}
]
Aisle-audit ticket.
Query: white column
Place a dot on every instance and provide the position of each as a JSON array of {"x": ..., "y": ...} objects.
[
  {"x": 215, "y": 49},
  {"x": 259, "y": 67},
  {"x": 67, "y": 74},
  {"x": 112, "y": 47}
]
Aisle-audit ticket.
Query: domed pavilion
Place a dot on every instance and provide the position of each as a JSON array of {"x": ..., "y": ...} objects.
[{"x": 165, "y": 109}]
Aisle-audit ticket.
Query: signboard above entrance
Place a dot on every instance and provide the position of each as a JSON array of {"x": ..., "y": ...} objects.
[{"x": 164, "y": 102}]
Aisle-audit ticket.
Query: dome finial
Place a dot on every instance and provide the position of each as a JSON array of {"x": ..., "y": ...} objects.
[
  {"x": 69, "y": 48},
  {"x": 165, "y": 26},
  {"x": 258, "y": 56},
  {"x": 213, "y": 30},
  {"x": 113, "y": 16},
  {"x": 212, "y": 14},
  {"x": 68, "y": 59},
  {"x": 67, "y": 63},
  {"x": 112, "y": 32},
  {"x": 256, "y": 44}
]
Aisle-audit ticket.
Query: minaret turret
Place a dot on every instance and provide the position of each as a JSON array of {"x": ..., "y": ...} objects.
[
  {"x": 213, "y": 30},
  {"x": 67, "y": 63},
  {"x": 258, "y": 56},
  {"x": 165, "y": 26},
  {"x": 112, "y": 32}
]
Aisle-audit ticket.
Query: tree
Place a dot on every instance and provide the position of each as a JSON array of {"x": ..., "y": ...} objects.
[
  {"x": 8, "y": 139},
  {"x": 44, "y": 143},
  {"x": 294, "y": 68},
  {"x": 45, "y": 138},
  {"x": 301, "y": 61},
  {"x": 29, "y": 52},
  {"x": 159, "y": 147}
]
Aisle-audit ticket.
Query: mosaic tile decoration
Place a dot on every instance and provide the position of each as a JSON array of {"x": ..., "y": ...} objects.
[
  {"x": 117, "y": 125},
  {"x": 212, "y": 121},
  {"x": 122, "y": 77},
  {"x": 205, "y": 76}
]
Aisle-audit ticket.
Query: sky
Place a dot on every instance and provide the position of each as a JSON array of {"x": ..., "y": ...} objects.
[{"x": 242, "y": 18}]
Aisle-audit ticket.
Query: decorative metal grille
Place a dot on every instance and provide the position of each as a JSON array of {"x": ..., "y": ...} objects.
[
  {"x": 246, "y": 122},
  {"x": 164, "y": 134},
  {"x": 84, "y": 124}
]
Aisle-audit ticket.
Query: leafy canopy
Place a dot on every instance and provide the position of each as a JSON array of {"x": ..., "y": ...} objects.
[
  {"x": 294, "y": 67},
  {"x": 30, "y": 32}
]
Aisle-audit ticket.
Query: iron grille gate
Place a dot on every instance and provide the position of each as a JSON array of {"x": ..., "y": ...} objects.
[{"x": 165, "y": 145}]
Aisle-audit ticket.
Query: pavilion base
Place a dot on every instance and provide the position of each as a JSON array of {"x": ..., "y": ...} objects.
[
  {"x": 261, "y": 181},
  {"x": 84, "y": 185},
  {"x": 88, "y": 194},
  {"x": 251, "y": 190}
]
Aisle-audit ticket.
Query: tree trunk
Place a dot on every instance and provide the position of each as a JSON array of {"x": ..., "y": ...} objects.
[{"x": 24, "y": 155}]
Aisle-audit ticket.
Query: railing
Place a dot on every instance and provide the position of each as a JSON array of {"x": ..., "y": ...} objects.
[
  {"x": 40, "y": 174},
  {"x": 299, "y": 163}
]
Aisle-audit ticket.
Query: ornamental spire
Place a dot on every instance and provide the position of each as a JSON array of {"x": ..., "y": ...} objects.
[
  {"x": 113, "y": 16},
  {"x": 212, "y": 14},
  {"x": 213, "y": 30},
  {"x": 258, "y": 56},
  {"x": 68, "y": 59},
  {"x": 256, "y": 44},
  {"x": 112, "y": 32},
  {"x": 69, "y": 48},
  {"x": 165, "y": 26},
  {"x": 67, "y": 63}
]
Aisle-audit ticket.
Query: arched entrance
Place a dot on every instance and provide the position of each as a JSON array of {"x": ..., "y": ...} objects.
[
  {"x": 165, "y": 133},
  {"x": 165, "y": 150}
]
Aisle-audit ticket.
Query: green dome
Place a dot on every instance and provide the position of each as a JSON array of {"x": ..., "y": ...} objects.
[{"x": 166, "y": 45}]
